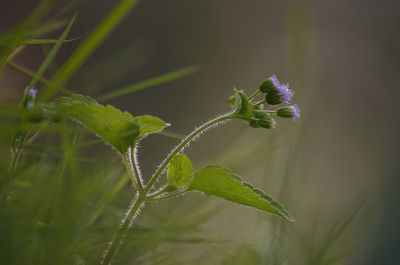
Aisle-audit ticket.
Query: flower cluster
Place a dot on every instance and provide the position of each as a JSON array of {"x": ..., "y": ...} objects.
[{"x": 274, "y": 93}]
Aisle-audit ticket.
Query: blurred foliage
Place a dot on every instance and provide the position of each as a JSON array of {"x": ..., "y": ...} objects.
[{"x": 61, "y": 201}]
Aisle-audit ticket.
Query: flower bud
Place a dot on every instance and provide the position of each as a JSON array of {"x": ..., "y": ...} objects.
[
  {"x": 254, "y": 123},
  {"x": 276, "y": 93},
  {"x": 289, "y": 112},
  {"x": 260, "y": 114},
  {"x": 267, "y": 123},
  {"x": 29, "y": 97},
  {"x": 273, "y": 97},
  {"x": 266, "y": 86}
]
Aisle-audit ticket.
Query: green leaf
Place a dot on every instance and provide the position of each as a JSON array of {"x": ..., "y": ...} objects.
[
  {"x": 221, "y": 182},
  {"x": 242, "y": 107},
  {"x": 149, "y": 124},
  {"x": 180, "y": 170},
  {"x": 117, "y": 128}
]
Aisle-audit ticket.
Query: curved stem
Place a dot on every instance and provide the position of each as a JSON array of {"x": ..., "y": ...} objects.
[
  {"x": 152, "y": 199},
  {"x": 132, "y": 177},
  {"x": 160, "y": 191},
  {"x": 143, "y": 193},
  {"x": 121, "y": 232},
  {"x": 259, "y": 103},
  {"x": 184, "y": 142},
  {"x": 254, "y": 95},
  {"x": 135, "y": 167}
]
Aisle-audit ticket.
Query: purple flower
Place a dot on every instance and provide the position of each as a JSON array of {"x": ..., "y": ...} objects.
[
  {"x": 285, "y": 93},
  {"x": 296, "y": 112},
  {"x": 33, "y": 92},
  {"x": 289, "y": 112},
  {"x": 275, "y": 81}
]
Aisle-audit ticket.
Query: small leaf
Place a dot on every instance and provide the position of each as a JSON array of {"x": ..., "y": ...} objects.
[
  {"x": 180, "y": 170},
  {"x": 117, "y": 128},
  {"x": 149, "y": 124},
  {"x": 242, "y": 107},
  {"x": 221, "y": 182}
]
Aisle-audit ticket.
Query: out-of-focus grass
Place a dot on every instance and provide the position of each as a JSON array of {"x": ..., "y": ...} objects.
[
  {"x": 62, "y": 202},
  {"x": 65, "y": 199}
]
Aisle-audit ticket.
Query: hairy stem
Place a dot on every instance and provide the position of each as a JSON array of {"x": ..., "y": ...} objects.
[
  {"x": 131, "y": 175},
  {"x": 143, "y": 193},
  {"x": 122, "y": 230},
  {"x": 184, "y": 142},
  {"x": 135, "y": 166}
]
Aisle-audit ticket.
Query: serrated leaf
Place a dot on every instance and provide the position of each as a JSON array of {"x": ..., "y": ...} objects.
[
  {"x": 180, "y": 170},
  {"x": 221, "y": 182},
  {"x": 149, "y": 124},
  {"x": 117, "y": 128}
]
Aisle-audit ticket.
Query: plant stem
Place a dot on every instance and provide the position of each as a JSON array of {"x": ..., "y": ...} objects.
[
  {"x": 254, "y": 95},
  {"x": 259, "y": 103},
  {"x": 152, "y": 199},
  {"x": 142, "y": 194},
  {"x": 122, "y": 230},
  {"x": 185, "y": 141},
  {"x": 131, "y": 175},
  {"x": 135, "y": 166}
]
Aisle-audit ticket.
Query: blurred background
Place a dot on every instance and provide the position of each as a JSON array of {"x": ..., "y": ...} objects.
[{"x": 336, "y": 169}]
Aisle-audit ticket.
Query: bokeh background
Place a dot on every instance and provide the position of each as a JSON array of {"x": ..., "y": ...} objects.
[{"x": 336, "y": 169}]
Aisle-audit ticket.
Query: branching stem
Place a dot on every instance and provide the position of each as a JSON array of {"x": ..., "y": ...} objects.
[
  {"x": 143, "y": 193},
  {"x": 131, "y": 175},
  {"x": 184, "y": 142}
]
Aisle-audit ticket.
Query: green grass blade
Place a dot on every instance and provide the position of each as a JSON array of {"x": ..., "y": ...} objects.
[
  {"x": 48, "y": 27},
  {"x": 43, "y": 41},
  {"x": 51, "y": 55},
  {"x": 22, "y": 30},
  {"x": 89, "y": 46},
  {"x": 32, "y": 74},
  {"x": 150, "y": 83}
]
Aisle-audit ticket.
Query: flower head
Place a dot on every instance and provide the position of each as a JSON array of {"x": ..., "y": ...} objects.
[
  {"x": 33, "y": 92},
  {"x": 276, "y": 93},
  {"x": 285, "y": 93},
  {"x": 274, "y": 81},
  {"x": 296, "y": 112},
  {"x": 289, "y": 112}
]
